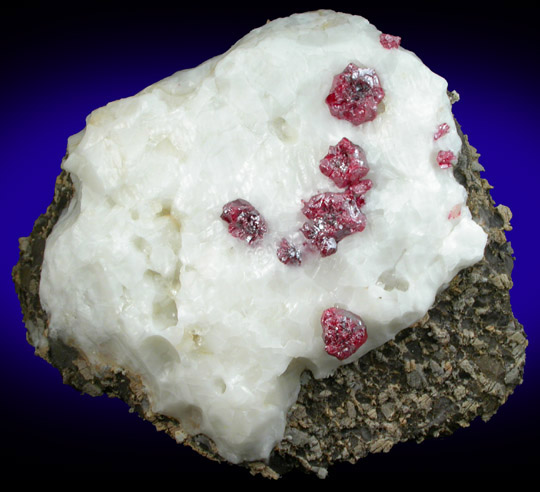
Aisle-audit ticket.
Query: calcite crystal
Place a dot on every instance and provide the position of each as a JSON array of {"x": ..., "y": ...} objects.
[{"x": 134, "y": 282}]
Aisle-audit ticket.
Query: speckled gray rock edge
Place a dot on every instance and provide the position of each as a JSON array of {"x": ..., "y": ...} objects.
[{"x": 461, "y": 361}]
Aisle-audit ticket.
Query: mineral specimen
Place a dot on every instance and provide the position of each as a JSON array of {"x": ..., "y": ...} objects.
[
  {"x": 245, "y": 222},
  {"x": 333, "y": 216},
  {"x": 345, "y": 164},
  {"x": 442, "y": 130},
  {"x": 288, "y": 253},
  {"x": 446, "y": 158},
  {"x": 343, "y": 332},
  {"x": 390, "y": 42},
  {"x": 132, "y": 286},
  {"x": 355, "y": 94}
]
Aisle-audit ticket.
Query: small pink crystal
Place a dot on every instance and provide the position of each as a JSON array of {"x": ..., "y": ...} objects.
[
  {"x": 245, "y": 222},
  {"x": 343, "y": 332},
  {"x": 442, "y": 129},
  {"x": 446, "y": 159},
  {"x": 390, "y": 42},
  {"x": 455, "y": 212},
  {"x": 345, "y": 164},
  {"x": 355, "y": 95}
]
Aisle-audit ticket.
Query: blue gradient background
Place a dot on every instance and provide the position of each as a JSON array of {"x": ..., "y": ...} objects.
[{"x": 59, "y": 65}]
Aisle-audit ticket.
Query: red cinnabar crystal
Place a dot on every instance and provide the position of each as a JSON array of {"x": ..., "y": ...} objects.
[
  {"x": 333, "y": 216},
  {"x": 320, "y": 235},
  {"x": 355, "y": 95},
  {"x": 343, "y": 332},
  {"x": 359, "y": 190},
  {"x": 345, "y": 164},
  {"x": 390, "y": 42},
  {"x": 446, "y": 158},
  {"x": 442, "y": 129},
  {"x": 288, "y": 253},
  {"x": 245, "y": 222}
]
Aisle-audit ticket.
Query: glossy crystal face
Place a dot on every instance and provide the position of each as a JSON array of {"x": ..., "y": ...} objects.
[
  {"x": 355, "y": 95},
  {"x": 345, "y": 164},
  {"x": 343, "y": 332},
  {"x": 245, "y": 221}
]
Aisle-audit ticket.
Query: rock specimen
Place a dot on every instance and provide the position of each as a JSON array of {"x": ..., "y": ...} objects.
[{"x": 284, "y": 257}]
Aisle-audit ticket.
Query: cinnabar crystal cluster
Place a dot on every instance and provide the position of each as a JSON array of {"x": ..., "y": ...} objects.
[
  {"x": 354, "y": 96},
  {"x": 336, "y": 215},
  {"x": 245, "y": 222},
  {"x": 343, "y": 332}
]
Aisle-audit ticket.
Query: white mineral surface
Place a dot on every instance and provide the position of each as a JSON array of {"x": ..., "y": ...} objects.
[{"x": 140, "y": 272}]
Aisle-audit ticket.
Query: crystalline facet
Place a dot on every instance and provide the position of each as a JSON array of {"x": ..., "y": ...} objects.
[
  {"x": 389, "y": 41},
  {"x": 345, "y": 164},
  {"x": 343, "y": 332},
  {"x": 446, "y": 158},
  {"x": 245, "y": 222},
  {"x": 355, "y": 95}
]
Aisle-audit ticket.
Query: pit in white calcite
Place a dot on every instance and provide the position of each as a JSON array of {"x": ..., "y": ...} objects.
[{"x": 141, "y": 273}]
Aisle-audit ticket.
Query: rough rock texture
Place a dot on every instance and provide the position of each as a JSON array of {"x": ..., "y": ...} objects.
[{"x": 461, "y": 361}]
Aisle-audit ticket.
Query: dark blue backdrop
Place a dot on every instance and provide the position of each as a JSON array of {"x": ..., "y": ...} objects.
[{"x": 59, "y": 65}]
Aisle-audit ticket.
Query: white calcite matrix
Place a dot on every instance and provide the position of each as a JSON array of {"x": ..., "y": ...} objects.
[{"x": 140, "y": 272}]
